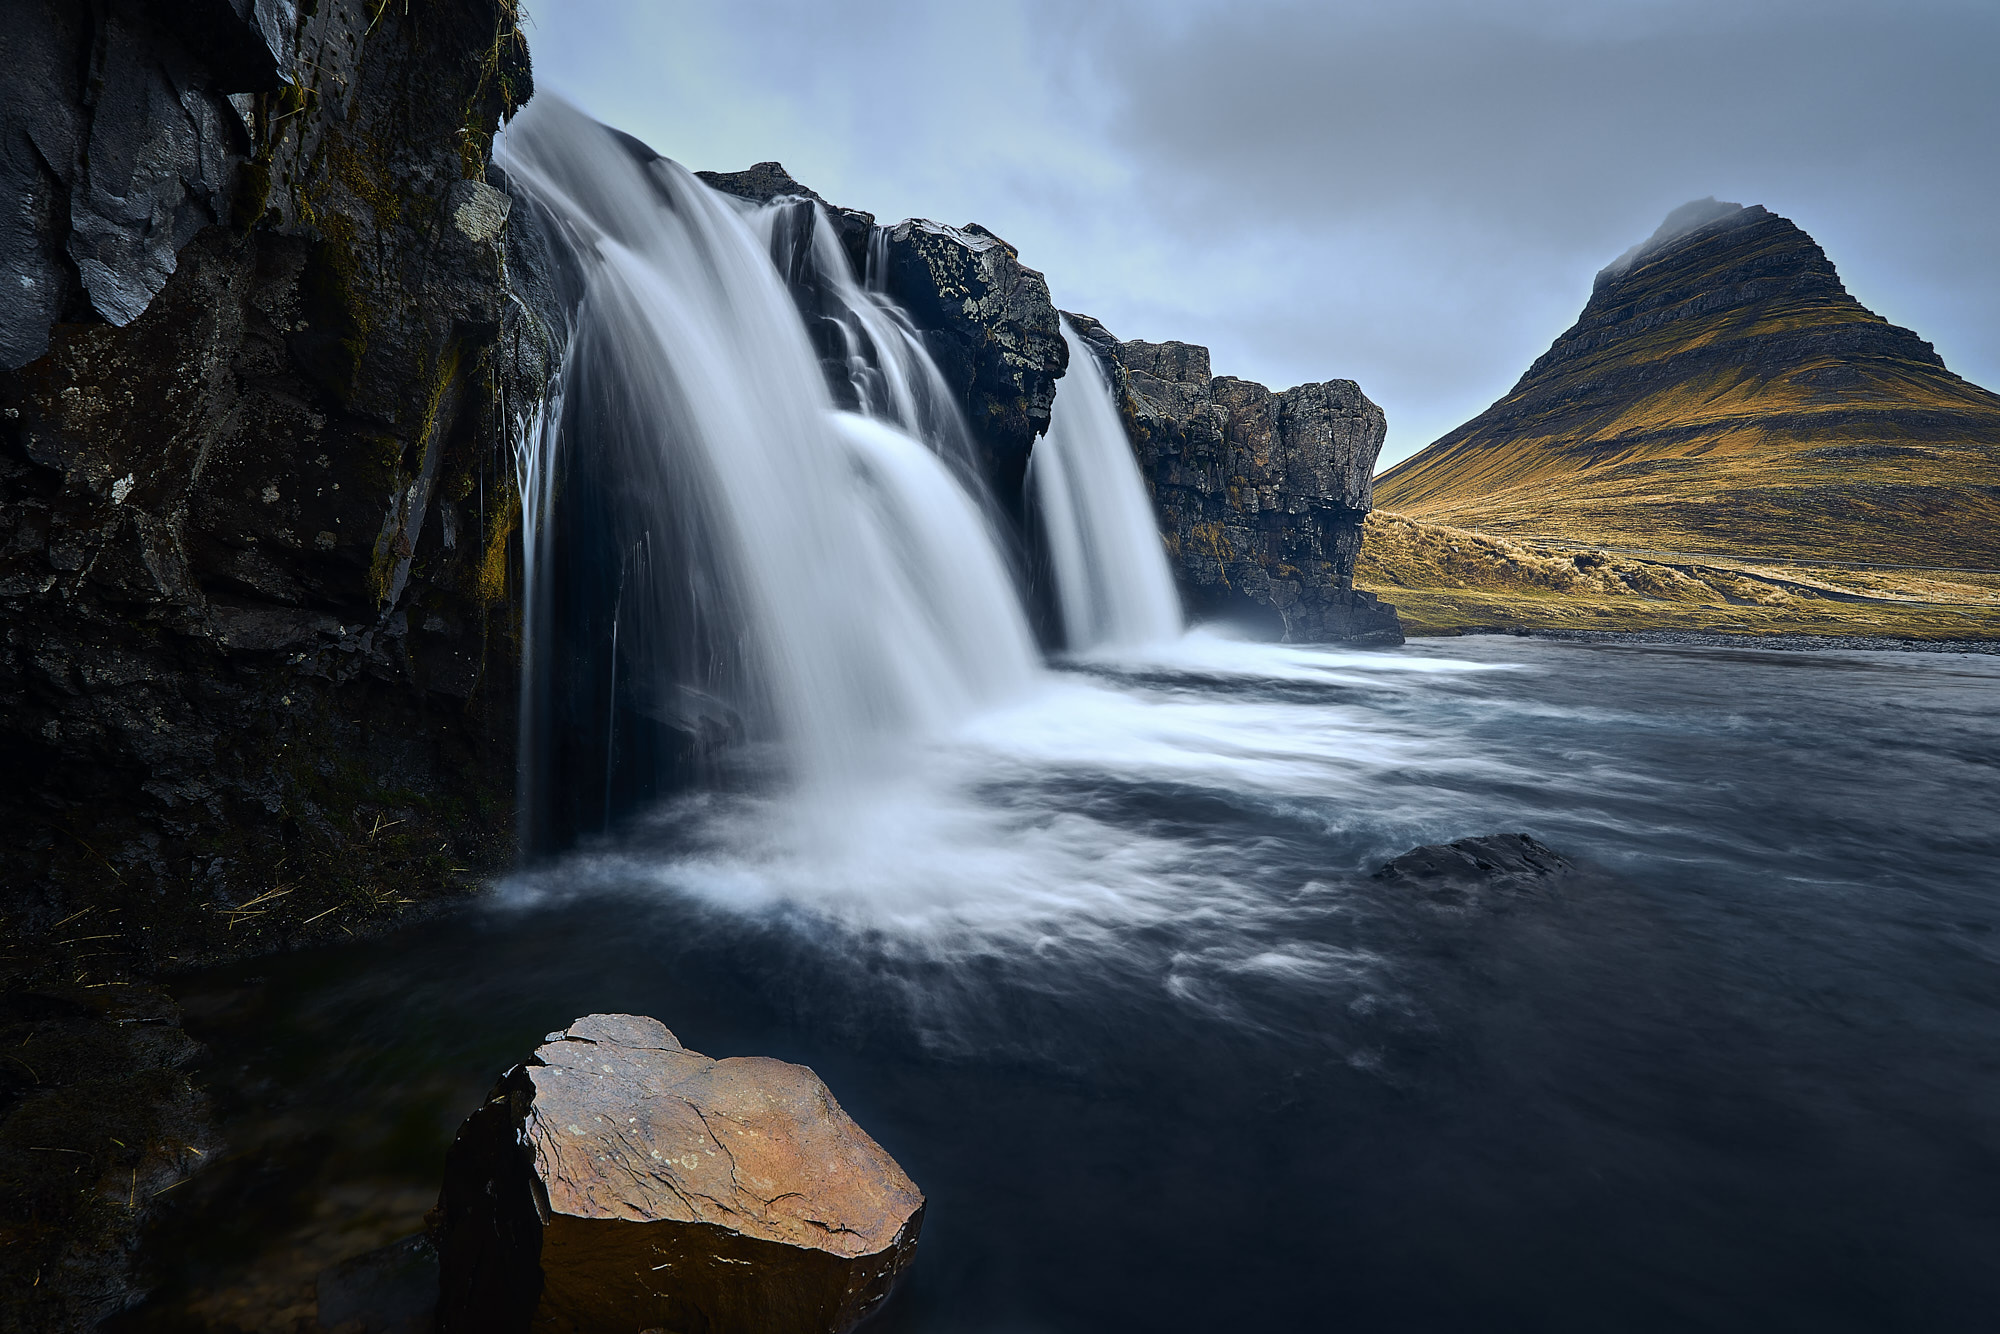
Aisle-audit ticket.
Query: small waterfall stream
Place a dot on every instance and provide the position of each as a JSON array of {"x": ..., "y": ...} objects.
[{"x": 1111, "y": 574}]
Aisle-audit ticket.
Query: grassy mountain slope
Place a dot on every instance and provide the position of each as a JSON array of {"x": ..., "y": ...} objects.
[{"x": 1722, "y": 393}]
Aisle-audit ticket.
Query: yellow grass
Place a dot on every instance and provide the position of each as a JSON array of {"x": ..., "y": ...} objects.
[{"x": 1445, "y": 580}]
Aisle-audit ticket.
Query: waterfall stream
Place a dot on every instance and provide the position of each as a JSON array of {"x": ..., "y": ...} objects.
[
  {"x": 729, "y": 563},
  {"x": 1111, "y": 573},
  {"x": 755, "y": 534}
]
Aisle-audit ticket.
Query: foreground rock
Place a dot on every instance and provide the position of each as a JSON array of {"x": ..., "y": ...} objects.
[
  {"x": 1260, "y": 495},
  {"x": 1460, "y": 874},
  {"x": 618, "y": 1181}
]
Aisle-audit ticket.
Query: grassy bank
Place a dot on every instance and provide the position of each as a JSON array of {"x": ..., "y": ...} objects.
[{"x": 1446, "y": 580}]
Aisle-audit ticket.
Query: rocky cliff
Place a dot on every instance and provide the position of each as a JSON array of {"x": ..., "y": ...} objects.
[
  {"x": 1722, "y": 392},
  {"x": 257, "y": 355},
  {"x": 256, "y": 681},
  {"x": 252, "y": 480},
  {"x": 1261, "y": 495}
]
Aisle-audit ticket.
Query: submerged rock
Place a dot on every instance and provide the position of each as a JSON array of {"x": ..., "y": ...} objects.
[
  {"x": 619, "y": 1181},
  {"x": 1456, "y": 874}
]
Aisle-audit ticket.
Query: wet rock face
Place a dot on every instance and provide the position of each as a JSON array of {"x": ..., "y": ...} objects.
[
  {"x": 1260, "y": 495},
  {"x": 1464, "y": 873},
  {"x": 992, "y": 329},
  {"x": 620, "y": 1181},
  {"x": 254, "y": 488},
  {"x": 769, "y": 180}
]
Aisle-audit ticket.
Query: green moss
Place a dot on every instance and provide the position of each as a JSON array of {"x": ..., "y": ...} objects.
[
  {"x": 367, "y": 177},
  {"x": 493, "y": 561}
]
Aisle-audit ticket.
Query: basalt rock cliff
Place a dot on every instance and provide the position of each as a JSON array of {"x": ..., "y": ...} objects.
[
  {"x": 254, "y": 494},
  {"x": 257, "y": 359},
  {"x": 1260, "y": 495},
  {"x": 1722, "y": 392}
]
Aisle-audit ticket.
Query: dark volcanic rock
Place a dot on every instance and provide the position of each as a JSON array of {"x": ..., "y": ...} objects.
[
  {"x": 992, "y": 329},
  {"x": 1260, "y": 495},
  {"x": 986, "y": 319},
  {"x": 1457, "y": 874},
  {"x": 255, "y": 494},
  {"x": 620, "y": 1181},
  {"x": 769, "y": 180},
  {"x": 97, "y": 1119},
  {"x": 390, "y": 1290},
  {"x": 256, "y": 518}
]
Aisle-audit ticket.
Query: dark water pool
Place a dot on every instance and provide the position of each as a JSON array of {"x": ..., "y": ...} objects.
[{"x": 1108, "y": 976}]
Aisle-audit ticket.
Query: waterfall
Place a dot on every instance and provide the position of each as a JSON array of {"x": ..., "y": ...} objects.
[
  {"x": 1112, "y": 581},
  {"x": 886, "y": 372},
  {"x": 723, "y": 562}
]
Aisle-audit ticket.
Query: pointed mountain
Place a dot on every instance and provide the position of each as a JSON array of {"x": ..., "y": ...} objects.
[{"x": 1722, "y": 392}]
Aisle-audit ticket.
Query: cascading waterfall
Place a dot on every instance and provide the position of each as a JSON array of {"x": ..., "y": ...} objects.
[
  {"x": 1112, "y": 581},
  {"x": 885, "y": 371},
  {"x": 811, "y": 580}
]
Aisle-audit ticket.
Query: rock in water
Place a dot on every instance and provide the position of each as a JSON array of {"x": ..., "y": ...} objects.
[
  {"x": 618, "y": 1181},
  {"x": 1456, "y": 874}
]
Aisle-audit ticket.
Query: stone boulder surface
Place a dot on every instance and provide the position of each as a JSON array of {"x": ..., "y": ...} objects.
[
  {"x": 618, "y": 1181},
  {"x": 1260, "y": 494}
]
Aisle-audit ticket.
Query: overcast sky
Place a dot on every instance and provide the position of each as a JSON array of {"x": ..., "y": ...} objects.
[{"x": 1414, "y": 195}]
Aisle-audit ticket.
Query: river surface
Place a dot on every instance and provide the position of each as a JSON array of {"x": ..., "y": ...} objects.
[{"x": 1108, "y": 974}]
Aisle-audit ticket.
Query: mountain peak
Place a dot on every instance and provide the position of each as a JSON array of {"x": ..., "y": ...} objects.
[
  {"x": 1689, "y": 217},
  {"x": 1723, "y": 391}
]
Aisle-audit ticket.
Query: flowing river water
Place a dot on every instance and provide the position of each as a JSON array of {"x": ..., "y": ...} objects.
[{"x": 1105, "y": 969}]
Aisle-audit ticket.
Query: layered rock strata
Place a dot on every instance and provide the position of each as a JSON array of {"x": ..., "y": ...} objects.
[
  {"x": 1261, "y": 495},
  {"x": 619, "y": 1181},
  {"x": 1723, "y": 393}
]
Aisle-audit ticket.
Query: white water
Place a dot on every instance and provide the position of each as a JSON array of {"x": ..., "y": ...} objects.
[
  {"x": 888, "y": 371},
  {"x": 1111, "y": 575},
  {"x": 864, "y": 603}
]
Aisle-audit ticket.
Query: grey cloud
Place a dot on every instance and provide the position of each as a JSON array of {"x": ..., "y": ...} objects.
[{"x": 1416, "y": 195}]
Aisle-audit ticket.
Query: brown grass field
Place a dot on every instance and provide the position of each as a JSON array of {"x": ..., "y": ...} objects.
[{"x": 1446, "y": 580}]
